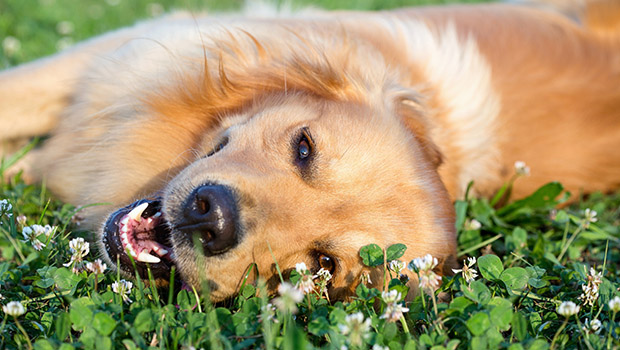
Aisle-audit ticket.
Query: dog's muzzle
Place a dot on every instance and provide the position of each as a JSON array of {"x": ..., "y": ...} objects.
[{"x": 210, "y": 216}]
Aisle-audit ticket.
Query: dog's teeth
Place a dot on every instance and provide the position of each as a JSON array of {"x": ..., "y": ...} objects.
[
  {"x": 148, "y": 258},
  {"x": 136, "y": 213},
  {"x": 158, "y": 214},
  {"x": 125, "y": 220},
  {"x": 159, "y": 250}
]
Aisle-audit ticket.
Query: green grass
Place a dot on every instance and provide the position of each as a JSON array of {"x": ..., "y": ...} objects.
[{"x": 530, "y": 258}]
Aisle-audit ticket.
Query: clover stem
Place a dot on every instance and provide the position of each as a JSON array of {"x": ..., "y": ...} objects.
[
  {"x": 23, "y": 332},
  {"x": 555, "y": 337}
]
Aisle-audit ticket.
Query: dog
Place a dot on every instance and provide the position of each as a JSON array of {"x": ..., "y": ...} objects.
[{"x": 221, "y": 143}]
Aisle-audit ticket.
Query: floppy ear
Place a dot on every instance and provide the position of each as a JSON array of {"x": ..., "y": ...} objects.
[{"x": 409, "y": 106}]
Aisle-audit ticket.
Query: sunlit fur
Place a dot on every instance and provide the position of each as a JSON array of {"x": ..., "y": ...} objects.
[{"x": 406, "y": 108}]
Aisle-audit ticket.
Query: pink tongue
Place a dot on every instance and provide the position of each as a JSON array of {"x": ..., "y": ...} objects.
[{"x": 139, "y": 234}]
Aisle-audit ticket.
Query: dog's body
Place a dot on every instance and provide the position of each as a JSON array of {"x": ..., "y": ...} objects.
[{"x": 305, "y": 138}]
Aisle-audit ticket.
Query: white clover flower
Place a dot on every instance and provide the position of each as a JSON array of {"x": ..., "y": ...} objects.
[
  {"x": 614, "y": 304},
  {"x": 589, "y": 216},
  {"x": 393, "y": 312},
  {"x": 396, "y": 266},
  {"x": 471, "y": 225},
  {"x": 65, "y": 28},
  {"x": 429, "y": 280},
  {"x": 594, "y": 327},
  {"x": 31, "y": 235},
  {"x": 46, "y": 230},
  {"x": 14, "y": 308},
  {"x": 424, "y": 268},
  {"x": 96, "y": 267},
  {"x": 568, "y": 308},
  {"x": 365, "y": 278},
  {"x": 391, "y": 296},
  {"x": 301, "y": 268},
  {"x": 521, "y": 168},
  {"x": 323, "y": 275},
  {"x": 469, "y": 273},
  {"x": 424, "y": 263},
  {"x": 356, "y": 327},
  {"x": 305, "y": 284},
  {"x": 79, "y": 249},
  {"x": 5, "y": 208},
  {"x": 288, "y": 299},
  {"x": 591, "y": 289},
  {"x": 21, "y": 220},
  {"x": 11, "y": 45},
  {"x": 379, "y": 347},
  {"x": 123, "y": 288}
]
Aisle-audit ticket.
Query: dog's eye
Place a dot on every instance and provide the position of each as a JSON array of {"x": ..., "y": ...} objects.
[
  {"x": 327, "y": 263},
  {"x": 218, "y": 147},
  {"x": 304, "y": 149},
  {"x": 304, "y": 145}
]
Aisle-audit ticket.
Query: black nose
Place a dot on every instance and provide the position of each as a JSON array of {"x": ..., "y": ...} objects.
[{"x": 210, "y": 216}]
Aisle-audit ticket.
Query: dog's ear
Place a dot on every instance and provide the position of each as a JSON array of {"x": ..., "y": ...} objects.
[{"x": 409, "y": 105}]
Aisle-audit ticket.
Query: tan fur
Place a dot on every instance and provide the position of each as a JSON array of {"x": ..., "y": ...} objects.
[{"x": 407, "y": 107}]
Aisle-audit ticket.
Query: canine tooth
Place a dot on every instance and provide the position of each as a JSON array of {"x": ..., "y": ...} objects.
[
  {"x": 158, "y": 214},
  {"x": 136, "y": 213},
  {"x": 148, "y": 258},
  {"x": 125, "y": 220}
]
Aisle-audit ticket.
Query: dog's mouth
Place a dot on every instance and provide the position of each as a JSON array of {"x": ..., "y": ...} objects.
[{"x": 139, "y": 232}]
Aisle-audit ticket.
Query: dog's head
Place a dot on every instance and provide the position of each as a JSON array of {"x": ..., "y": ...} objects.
[
  {"x": 308, "y": 165},
  {"x": 294, "y": 179}
]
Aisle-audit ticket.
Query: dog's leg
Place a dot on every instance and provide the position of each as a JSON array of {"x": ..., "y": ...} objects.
[{"x": 33, "y": 96}]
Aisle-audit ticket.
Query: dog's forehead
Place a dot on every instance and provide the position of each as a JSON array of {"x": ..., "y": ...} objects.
[{"x": 340, "y": 123}]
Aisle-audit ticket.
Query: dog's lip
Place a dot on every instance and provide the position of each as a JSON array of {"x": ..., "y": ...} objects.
[{"x": 120, "y": 229}]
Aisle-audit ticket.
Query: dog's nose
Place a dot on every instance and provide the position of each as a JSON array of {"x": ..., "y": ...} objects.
[{"x": 210, "y": 216}]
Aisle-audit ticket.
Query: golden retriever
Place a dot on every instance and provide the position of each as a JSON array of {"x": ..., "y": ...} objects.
[{"x": 302, "y": 138}]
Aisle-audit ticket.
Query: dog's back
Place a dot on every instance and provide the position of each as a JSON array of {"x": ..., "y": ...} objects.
[{"x": 556, "y": 81}]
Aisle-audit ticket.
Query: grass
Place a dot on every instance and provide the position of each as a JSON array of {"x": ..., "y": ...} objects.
[{"x": 531, "y": 257}]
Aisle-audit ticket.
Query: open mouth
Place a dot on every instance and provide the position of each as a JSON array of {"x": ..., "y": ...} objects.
[{"x": 140, "y": 232}]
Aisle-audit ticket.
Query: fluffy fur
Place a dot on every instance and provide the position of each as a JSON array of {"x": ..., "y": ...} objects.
[{"x": 405, "y": 108}]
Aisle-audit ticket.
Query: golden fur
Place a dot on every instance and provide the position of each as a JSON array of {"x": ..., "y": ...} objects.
[{"x": 406, "y": 107}]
